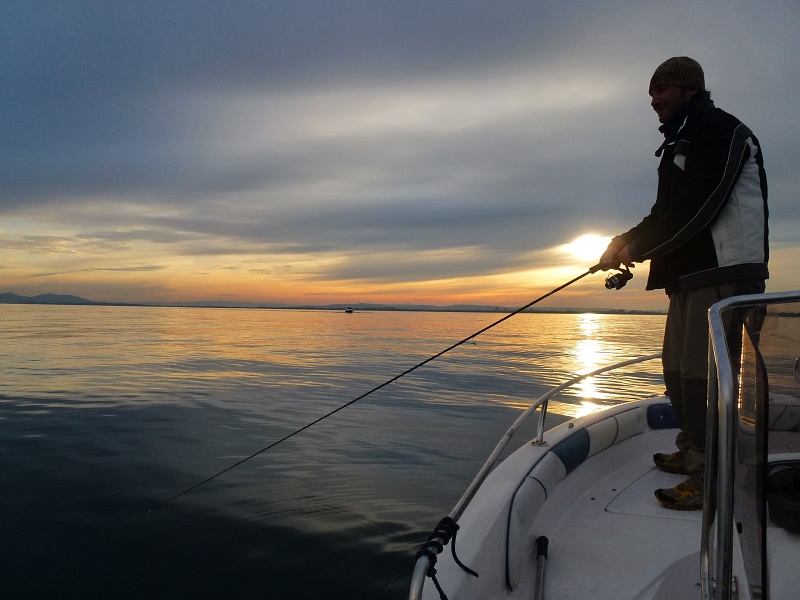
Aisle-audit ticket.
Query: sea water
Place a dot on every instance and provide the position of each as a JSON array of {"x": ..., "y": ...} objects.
[{"x": 106, "y": 412}]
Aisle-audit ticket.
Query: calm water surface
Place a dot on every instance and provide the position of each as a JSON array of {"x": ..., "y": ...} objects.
[{"x": 105, "y": 412}]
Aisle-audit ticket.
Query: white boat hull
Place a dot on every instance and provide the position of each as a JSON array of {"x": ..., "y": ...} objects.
[
  {"x": 608, "y": 536},
  {"x": 529, "y": 495}
]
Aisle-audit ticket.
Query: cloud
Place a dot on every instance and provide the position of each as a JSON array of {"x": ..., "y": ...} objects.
[
  {"x": 374, "y": 142},
  {"x": 132, "y": 269}
]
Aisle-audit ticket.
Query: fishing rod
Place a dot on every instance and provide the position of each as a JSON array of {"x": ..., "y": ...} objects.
[{"x": 592, "y": 270}]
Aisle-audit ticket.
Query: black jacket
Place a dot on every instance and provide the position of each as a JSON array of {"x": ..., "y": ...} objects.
[{"x": 709, "y": 222}]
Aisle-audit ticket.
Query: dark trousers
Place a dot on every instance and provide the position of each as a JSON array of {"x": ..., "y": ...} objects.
[{"x": 685, "y": 363}]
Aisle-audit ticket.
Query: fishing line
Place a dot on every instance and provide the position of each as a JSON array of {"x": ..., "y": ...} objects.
[{"x": 592, "y": 270}]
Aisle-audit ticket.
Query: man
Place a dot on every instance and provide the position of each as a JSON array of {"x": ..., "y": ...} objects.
[{"x": 706, "y": 239}]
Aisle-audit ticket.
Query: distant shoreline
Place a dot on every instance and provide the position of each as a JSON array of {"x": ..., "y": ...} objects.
[{"x": 67, "y": 300}]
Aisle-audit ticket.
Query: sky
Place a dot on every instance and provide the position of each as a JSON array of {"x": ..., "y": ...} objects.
[{"x": 385, "y": 151}]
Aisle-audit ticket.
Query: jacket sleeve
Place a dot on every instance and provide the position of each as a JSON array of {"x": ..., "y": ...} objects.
[{"x": 629, "y": 237}]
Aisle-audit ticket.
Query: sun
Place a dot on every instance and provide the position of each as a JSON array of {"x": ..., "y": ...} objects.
[{"x": 588, "y": 247}]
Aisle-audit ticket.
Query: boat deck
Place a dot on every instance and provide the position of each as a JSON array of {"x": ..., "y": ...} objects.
[{"x": 657, "y": 558}]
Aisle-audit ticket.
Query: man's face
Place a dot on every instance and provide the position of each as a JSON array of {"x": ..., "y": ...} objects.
[{"x": 666, "y": 100}]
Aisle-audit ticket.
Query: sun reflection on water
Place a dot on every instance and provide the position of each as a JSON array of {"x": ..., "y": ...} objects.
[{"x": 590, "y": 357}]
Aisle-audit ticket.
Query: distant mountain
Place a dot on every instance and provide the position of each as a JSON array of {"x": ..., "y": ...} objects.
[{"x": 9, "y": 298}]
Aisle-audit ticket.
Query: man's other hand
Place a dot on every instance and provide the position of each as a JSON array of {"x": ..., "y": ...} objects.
[
  {"x": 610, "y": 259},
  {"x": 625, "y": 257}
]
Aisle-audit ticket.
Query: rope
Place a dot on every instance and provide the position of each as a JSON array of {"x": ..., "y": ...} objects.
[
  {"x": 427, "y": 551},
  {"x": 446, "y": 529}
]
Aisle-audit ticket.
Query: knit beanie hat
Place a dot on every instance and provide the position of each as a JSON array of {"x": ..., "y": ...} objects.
[{"x": 680, "y": 71}]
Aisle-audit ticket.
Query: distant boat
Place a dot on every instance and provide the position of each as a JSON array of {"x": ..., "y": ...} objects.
[{"x": 348, "y": 310}]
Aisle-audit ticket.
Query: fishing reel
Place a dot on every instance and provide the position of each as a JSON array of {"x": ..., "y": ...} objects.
[{"x": 617, "y": 281}]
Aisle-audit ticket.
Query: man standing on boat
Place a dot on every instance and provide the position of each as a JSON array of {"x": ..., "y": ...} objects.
[{"x": 706, "y": 238}]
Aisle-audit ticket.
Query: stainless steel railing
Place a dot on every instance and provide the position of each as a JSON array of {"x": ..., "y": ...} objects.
[{"x": 718, "y": 510}]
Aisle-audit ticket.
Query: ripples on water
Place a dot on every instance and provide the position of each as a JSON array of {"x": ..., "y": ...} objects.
[{"x": 107, "y": 411}]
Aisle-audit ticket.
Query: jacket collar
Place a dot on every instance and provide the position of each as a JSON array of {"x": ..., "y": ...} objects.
[{"x": 673, "y": 126}]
